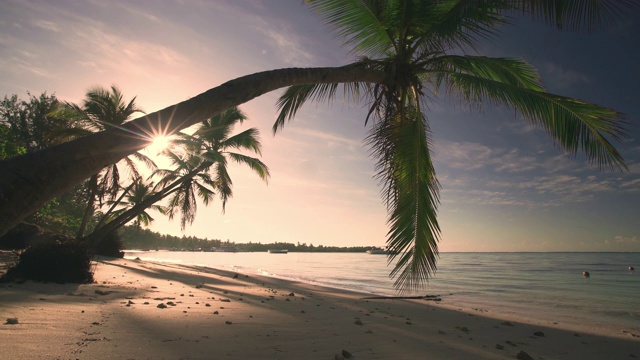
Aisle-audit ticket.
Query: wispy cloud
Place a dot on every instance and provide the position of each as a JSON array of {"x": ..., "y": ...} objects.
[{"x": 561, "y": 78}]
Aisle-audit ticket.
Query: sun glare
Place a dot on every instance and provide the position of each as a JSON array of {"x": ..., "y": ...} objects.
[{"x": 158, "y": 144}]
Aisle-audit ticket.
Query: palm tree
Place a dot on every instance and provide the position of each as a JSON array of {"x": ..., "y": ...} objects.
[
  {"x": 200, "y": 171},
  {"x": 102, "y": 109},
  {"x": 137, "y": 192},
  {"x": 411, "y": 48},
  {"x": 418, "y": 44}
]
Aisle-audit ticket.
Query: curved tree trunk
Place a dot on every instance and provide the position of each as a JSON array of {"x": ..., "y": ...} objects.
[{"x": 27, "y": 182}]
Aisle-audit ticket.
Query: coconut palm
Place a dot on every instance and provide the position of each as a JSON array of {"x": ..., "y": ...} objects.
[
  {"x": 101, "y": 109},
  {"x": 134, "y": 194},
  {"x": 411, "y": 51},
  {"x": 420, "y": 44},
  {"x": 200, "y": 170}
]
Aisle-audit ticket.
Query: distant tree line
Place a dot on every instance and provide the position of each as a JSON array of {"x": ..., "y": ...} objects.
[{"x": 135, "y": 237}]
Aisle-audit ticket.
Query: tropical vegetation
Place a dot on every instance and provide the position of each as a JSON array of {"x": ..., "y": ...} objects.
[
  {"x": 199, "y": 170},
  {"x": 409, "y": 52}
]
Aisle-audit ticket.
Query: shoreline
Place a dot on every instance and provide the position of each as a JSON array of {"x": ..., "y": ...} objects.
[{"x": 263, "y": 317}]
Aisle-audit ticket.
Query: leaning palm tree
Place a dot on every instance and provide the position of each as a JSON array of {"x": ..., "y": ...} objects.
[
  {"x": 134, "y": 194},
  {"x": 101, "y": 109},
  {"x": 199, "y": 170},
  {"x": 410, "y": 52},
  {"x": 419, "y": 45}
]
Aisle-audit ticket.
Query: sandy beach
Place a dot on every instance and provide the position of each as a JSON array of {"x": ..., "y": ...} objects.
[{"x": 146, "y": 310}]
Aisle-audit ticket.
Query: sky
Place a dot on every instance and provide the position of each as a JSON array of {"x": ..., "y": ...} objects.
[{"x": 505, "y": 185}]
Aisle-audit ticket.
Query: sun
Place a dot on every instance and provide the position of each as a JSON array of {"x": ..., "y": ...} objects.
[{"x": 158, "y": 144}]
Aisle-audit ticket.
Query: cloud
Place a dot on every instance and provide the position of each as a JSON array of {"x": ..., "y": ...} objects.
[
  {"x": 474, "y": 156},
  {"x": 562, "y": 78}
]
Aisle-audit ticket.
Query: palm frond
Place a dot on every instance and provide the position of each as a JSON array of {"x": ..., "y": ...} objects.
[
  {"x": 574, "y": 15},
  {"x": 255, "y": 164},
  {"x": 362, "y": 23},
  {"x": 574, "y": 124},
  {"x": 248, "y": 139},
  {"x": 410, "y": 190},
  {"x": 295, "y": 96}
]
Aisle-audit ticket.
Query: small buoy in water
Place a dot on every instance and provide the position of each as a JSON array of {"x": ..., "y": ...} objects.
[
  {"x": 586, "y": 274},
  {"x": 631, "y": 268}
]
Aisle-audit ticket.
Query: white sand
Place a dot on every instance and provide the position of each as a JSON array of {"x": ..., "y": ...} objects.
[{"x": 118, "y": 318}]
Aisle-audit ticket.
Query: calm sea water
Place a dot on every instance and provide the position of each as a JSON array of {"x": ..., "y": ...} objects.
[{"x": 542, "y": 286}]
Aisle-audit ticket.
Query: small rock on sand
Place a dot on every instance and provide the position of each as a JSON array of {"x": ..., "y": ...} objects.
[
  {"x": 346, "y": 354},
  {"x": 538, "y": 334},
  {"x": 12, "y": 321},
  {"x": 524, "y": 356},
  {"x": 162, "y": 306}
]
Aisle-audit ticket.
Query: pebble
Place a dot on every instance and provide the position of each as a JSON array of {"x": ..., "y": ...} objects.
[
  {"x": 162, "y": 306},
  {"x": 539, "y": 333},
  {"x": 12, "y": 321},
  {"x": 524, "y": 356}
]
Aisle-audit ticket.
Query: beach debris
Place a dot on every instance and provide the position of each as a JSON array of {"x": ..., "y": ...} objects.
[
  {"x": 225, "y": 300},
  {"x": 524, "y": 356},
  {"x": 499, "y": 346},
  {"x": 154, "y": 287},
  {"x": 408, "y": 323},
  {"x": 287, "y": 299},
  {"x": 145, "y": 303},
  {"x": 102, "y": 292},
  {"x": 346, "y": 354},
  {"x": 130, "y": 302},
  {"x": 137, "y": 259},
  {"x": 171, "y": 303},
  {"x": 358, "y": 322},
  {"x": 11, "y": 321},
  {"x": 631, "y": 268},
  {"x": 338, "y": 357},
  {"x": 207, "y": 305},
  {"x": 292, "y": 294},
  {"x": 464, "y": 329},
  {"x": 228, "y": 322},
  {"x": 586, "y": 274},
  {"x": 509, "y": 342},
  {"x": 162, "y": 306},
  {"x": 215, "y": 312},
  {"x": 235, "y": 276},
  {"x": 538, "y": 334},
  {"x": 507, "y": 323},
  {"x": 198, "y": 286}
]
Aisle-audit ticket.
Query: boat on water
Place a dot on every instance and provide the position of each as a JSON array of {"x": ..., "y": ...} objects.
[
  {"x": 377, "y": 251},
  {"x": 278, "y": 251}
]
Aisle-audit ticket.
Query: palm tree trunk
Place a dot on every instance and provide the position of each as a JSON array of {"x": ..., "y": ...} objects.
[
  {"x": 98, "y": 234},
  {"x": 27, "y": 182},
  {"x": 88, "y": 211}
]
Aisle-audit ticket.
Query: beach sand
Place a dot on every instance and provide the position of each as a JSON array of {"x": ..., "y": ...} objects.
[{"x": 217, "y": 314}]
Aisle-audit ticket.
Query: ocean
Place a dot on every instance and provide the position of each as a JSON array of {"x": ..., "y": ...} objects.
[{"x": 540, "y": 287}]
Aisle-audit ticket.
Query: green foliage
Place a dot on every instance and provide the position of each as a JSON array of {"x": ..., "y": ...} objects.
[
  {"x": 26, "y": 123},
  {"x": 417, "y": 45},
  {"x": 62, "y": 214}
]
